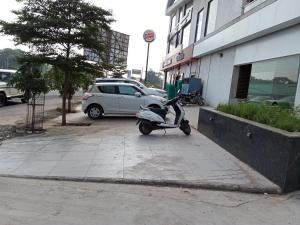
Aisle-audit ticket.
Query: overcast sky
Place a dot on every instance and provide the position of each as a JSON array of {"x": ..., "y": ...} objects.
[{"x": 132, "y": 17}]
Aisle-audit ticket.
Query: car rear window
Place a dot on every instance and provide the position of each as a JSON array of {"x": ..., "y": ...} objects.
[{"x": 108, "y": 89}]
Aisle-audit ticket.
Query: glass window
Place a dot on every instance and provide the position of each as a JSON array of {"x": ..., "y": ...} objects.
[
  {"x": 4, "y": 77},
  {"x": 173, "y": 23},
  {"x": 107, "y": 89},
  {"x": 188, "y": 7},
  {"x": 181, "y": 14},
  {"x": 275, "y": 79},
  {"x": 186, "y": 35},
  {"x": 199, "y": 25},
  {"x": 172, "y": 43},
  {"x": 211, "y": 17},
  {"x": 127, "y": 90}
]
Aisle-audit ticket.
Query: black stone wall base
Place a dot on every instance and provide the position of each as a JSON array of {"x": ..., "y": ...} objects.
[{"x": 272, "y": 152}]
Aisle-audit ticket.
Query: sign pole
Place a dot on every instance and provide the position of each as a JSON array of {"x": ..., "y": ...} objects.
[
  {"x": 147, "y": 62},
  {"x": 149, "y": 36}
]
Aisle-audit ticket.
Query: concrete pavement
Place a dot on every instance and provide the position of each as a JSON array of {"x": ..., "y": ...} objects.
[
  {"x": 40, "y": 202},
  {"x": 112, "y": 150}
]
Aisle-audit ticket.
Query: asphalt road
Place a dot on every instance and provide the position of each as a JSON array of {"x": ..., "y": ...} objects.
[
  {"x": 15, "y": 110},
  {"x": 41, "y": 202}
]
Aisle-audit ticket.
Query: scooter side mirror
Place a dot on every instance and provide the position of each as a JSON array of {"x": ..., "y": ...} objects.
[{"x": 138, "y": 94}]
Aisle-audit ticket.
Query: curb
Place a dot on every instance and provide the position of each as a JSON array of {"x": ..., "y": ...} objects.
[{"x": 158, "y": 183}]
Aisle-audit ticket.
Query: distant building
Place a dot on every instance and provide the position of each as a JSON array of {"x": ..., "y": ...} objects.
[
  {"x": 117, "y": 44},
  {"x": 239, "y": 48}
]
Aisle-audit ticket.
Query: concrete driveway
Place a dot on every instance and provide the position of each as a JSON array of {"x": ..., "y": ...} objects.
[{"x": 113, "y": 150}]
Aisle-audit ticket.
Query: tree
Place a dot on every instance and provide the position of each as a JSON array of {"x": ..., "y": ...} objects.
[
  {"x": 120, "y": 68},
  {"x": 55, "y": 31},
  {"x": 154, "y": 79},
  {"x": 8, "y": 58},
  {"x": 29, "y": 79},
  {"x": 78, "y": 80}
]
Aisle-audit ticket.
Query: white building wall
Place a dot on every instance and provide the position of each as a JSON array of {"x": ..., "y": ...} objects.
[
  {"x": 297, "y": 99},
  {"x": 279, "y": 44},
  {"x": 218, "y": 82},
  {"x": 274, "y": 17},
  {"x": 229, "y": 10}
]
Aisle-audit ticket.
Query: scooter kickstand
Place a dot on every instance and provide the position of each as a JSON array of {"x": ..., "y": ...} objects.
[{"x": 165, "y": 132}]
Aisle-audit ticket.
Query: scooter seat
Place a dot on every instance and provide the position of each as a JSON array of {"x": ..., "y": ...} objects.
[{"x": 160, "y": 112}]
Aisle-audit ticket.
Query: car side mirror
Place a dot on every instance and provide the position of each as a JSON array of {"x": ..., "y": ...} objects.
[{"x": 137, "y": 94}]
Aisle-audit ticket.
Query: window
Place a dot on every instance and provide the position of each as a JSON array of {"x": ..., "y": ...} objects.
[
  {"x": 188, "y": 7},
  {"x": 127, "y": 90},
  {"x": 172, "y": 44},
  {"x": 178, "y": 39},
  {"x": 274, "y": 79},
  {"x": 199, "y": 25},
  {"x": 181, "y": 14},
  {"x": 173, "y": 23},
  {"x": 4, "y": 77},
  {"x": 107, "y": 89},
  {"x": 186, "y": 35},
  {"x": 211, "y": 17}
]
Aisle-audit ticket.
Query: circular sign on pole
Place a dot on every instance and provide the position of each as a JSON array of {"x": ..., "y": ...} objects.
[{"x": 149, "y": 36}]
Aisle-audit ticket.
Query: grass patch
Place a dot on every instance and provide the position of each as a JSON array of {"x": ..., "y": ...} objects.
[{"x": 274, "y": 116}]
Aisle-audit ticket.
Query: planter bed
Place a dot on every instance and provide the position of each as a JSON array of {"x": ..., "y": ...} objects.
[{"x": 272, "y": 152}]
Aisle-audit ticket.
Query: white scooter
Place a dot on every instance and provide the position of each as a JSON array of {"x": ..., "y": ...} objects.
[{"x": 150, "y": 119}]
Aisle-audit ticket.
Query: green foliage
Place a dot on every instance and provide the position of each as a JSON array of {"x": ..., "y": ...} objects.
[
  {"x": 119, "y": 69},
  {"x": 78, "y": 80},
  {"x": 8, "y": 58},
  {"x": 154, "y": 79},
  {"x": 55, "y": 31},
  {"x": 285, "y": 119},
  {"x": 30, "y": 80}
]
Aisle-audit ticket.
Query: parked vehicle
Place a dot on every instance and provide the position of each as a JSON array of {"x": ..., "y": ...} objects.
[
  {"x": 191, "y": 92},
  {"x": 7, "y": 92},
  {"x": 149, "y": 91},
  {"x": 191, "y": 98},
  {"x": 117, "y": 98},
  {"x": 150, "y": 119},
  {"x": 286, "y": 102}
]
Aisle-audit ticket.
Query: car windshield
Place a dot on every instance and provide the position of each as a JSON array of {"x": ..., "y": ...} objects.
[{"x": 4, "y": 77}]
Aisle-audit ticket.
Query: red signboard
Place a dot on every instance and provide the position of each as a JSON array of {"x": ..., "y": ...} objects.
[{"x": 149, "y": 36}]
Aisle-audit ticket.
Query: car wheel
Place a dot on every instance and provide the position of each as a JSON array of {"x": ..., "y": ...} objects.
[
  {"x": 145, "y": 128},
  {"x": 2, "y": 99},
  {"x": 95, "y": 112}
]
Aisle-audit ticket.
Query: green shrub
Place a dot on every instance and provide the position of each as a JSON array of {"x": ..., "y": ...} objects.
[{"x": 285, "y": 119}]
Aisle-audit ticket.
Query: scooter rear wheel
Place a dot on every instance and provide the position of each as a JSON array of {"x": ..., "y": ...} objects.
[{"x": 145, "y": 128}]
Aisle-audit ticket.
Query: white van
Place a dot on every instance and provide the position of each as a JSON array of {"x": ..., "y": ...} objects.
[{"x": 6, "y": 92}]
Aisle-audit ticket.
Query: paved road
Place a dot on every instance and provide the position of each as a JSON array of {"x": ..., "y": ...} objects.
[
  {"x": 112, "y": 148},
  {"x": 15, "y": 110},
  {"x": 29, "y": 202}
]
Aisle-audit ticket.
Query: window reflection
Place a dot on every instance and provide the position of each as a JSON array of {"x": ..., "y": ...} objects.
[{"x": 275, "y": 79}]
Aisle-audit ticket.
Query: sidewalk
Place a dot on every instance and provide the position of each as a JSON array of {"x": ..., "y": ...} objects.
[{"x": 112, "y": 150}]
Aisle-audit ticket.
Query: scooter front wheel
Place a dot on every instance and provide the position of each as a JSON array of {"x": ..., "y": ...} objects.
[
  {"x": 145, "y": 128},
  {"x": 186, "y": 128}
]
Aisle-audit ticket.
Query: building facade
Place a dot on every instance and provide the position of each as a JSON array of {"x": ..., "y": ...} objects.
[
  {"x": 241, "y": 49},
  {"x": 117, "y": 49}
]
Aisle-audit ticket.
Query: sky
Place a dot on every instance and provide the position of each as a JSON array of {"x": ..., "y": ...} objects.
[{"x": 132, "y": 17}]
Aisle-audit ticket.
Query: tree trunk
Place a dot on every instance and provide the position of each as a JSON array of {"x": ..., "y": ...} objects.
[
  {"x": 69, "y": 103},
  {"x": 33, "y": 115},
  {"x": 64, "y": 100}
]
